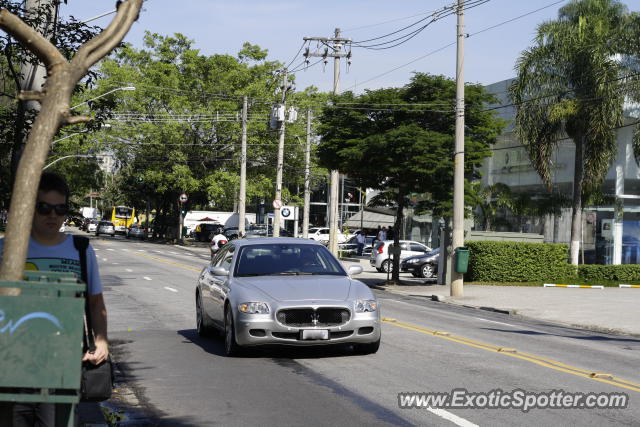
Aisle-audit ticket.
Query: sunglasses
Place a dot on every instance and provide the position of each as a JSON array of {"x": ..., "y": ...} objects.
[{"x": 44, "y": 208}]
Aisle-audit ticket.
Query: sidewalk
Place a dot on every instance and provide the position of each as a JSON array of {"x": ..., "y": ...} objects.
[
  {"x": 606, "y": 310},
  {"x": 612, "y": 310}
]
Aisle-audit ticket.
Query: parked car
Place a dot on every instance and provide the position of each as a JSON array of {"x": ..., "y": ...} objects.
[
  {"x": 425, "y": 266},
  {"x": 136, "y": 231},
  {"x": 74, "y": 221},
  {"x": 285, "y": 291},
  {"x": 205, "y": 231},
  {"x": 350, "y": 247},
  {"x": 92, "y": 225},
  {"x": 105, "y": 227},
  {"x": 321, "y": 234},
  {"x": 380, "y": 254},
  {"x": 231, "y": 232},
  {"x": 261, "y": 230}
]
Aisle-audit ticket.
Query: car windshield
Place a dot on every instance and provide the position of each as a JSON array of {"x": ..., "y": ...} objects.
[{"x": 285, "y": 260}]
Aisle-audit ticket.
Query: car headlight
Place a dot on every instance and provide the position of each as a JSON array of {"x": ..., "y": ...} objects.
[
  {"x": 366, "y": 305},
  {"x": 412, "y": 261},
  {"x": 254, "y": 307}
]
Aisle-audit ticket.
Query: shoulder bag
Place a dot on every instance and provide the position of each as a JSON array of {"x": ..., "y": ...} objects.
[{"x": 96, "y": 382}]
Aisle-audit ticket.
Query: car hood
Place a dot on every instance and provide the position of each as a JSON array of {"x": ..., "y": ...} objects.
[{"x": 300, "y": 288}]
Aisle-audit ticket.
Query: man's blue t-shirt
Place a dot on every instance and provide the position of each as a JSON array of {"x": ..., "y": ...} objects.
[{"x": 63, "y": 257}]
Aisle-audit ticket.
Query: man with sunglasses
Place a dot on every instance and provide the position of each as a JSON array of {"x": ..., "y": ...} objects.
[{"x": 51, "y": 250}]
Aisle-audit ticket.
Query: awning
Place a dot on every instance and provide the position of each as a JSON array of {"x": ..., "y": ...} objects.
[{"x": 371, "y": 220}]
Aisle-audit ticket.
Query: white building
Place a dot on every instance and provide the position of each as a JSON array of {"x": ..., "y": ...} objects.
[{"x": 607, "y": 238}]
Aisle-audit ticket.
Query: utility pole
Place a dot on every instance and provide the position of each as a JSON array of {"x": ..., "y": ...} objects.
[
  {"x": 335, "y": 44},
  {"x": 243, "y": 170},
  {"x": 32, "y": 76},
  {"x": 457, "y": 280},
  {"x": 307, "y": 178},
  {"x": 278, "y": 199}
]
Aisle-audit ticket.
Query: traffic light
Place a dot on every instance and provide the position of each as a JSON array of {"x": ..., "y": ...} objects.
[{"x": 183, "y": 212}]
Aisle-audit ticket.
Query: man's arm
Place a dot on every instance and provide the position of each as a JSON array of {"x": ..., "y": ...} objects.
[{"x": 99, "y": 325}]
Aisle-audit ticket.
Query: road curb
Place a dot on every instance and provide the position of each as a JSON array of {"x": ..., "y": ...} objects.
[{"x": 554, "y": 285}]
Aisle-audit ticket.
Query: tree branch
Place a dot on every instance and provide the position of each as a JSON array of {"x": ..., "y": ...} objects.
[
  {"x": 31, "y": 39},
  {"x": 96, "y": 48},
  {"x": 72, "y": 120},
  {"x": 31, "y": 95}
]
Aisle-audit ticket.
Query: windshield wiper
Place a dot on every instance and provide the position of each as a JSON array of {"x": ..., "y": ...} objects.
[{"x": 290, "y": 273}]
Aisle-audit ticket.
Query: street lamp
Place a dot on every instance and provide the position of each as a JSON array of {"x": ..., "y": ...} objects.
[
  {"x": 104, "y": 94},
  {"x": 66, "y": 157}
]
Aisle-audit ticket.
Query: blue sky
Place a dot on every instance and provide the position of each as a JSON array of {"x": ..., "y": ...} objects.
[{"x": 222, "y": 26}]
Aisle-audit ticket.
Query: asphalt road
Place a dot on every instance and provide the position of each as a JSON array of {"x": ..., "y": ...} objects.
[{"x": 181, "y": 379}]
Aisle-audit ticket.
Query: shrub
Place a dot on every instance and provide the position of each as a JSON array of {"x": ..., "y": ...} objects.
[
  {"x": 621, "y": 273},
  {"x": 491, "y": 261}
]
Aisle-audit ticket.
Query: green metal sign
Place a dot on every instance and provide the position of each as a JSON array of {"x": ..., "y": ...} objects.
[{"x": 41, "y": 325}]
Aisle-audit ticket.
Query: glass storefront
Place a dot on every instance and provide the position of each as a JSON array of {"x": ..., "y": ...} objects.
[{"x": 604, "y": 247}]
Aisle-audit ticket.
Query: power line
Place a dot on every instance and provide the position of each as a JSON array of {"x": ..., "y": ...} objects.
[
  {"x": 436, "y": 16},
  {"x": 452, "y": 44}
]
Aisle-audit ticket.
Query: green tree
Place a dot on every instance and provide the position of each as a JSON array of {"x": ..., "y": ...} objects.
[
  {"x": 567, "y": 84},
  {"x": 400, "y": 140},
  {"x": 15, "y": 120},
  {"x": 180, "y": 129}
]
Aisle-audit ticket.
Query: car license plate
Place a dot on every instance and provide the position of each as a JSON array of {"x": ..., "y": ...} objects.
[{"x": 315, "y": 334}]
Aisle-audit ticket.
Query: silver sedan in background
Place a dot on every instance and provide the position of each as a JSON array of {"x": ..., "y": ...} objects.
[{"x": 285, "y": 291}]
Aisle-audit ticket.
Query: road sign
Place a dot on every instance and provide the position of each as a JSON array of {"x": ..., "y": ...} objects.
[
  {"x": 277, "y": 204},
  {"x": 289, "y": 212},
  {"x": 183, "y": 198}
]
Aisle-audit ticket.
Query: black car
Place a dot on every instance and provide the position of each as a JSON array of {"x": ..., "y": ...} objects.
[
  {"x": 350, "y": 247},
  {"x": 231, "y": 232},
  {"x": 425, "y": 266},
  {"x": 261, "y": 230},
  {"x": 205, "y": 232}
]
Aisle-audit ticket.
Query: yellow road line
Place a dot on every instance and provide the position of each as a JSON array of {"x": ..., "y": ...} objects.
[{"x": 538, "y": 360}]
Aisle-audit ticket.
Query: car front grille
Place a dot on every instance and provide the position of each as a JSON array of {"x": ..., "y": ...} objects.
[{"x": 309, "y": 317}]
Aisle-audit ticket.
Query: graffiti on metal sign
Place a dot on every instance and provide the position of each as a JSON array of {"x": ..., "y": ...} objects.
[{"x": 11, "y": 326}]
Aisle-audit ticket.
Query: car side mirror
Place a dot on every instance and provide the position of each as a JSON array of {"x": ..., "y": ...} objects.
[
  {"x": 219, "y": 271},
  {"x": 354, "y": 269}
]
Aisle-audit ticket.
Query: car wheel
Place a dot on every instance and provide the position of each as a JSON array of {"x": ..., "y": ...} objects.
[
  {"x": 427, "y": 271},
  {"x": 387, "y": 266},
  {"x": 231, "y": 347},
  {"x": 379, "y": 270},
  {"x": 369, "y": 348},
  {"x": 203, "y": 325}
]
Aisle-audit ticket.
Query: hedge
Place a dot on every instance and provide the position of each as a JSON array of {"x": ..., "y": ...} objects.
[
  {"x": 627, "y": 272},
  {"x": 492, "y": 261}
]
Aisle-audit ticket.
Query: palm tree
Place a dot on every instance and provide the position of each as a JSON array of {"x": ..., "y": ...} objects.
[
  {"x": 490, "y": 199},
  {"x": 569, "y": 84}
]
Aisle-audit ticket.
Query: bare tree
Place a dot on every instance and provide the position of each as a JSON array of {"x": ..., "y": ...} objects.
[{"x": 62, "y": 77}]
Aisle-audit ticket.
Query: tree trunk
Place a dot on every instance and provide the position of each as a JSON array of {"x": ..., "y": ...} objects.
[
  {"x": 576, "y": 213},
  {"x": 395, "y": 274}
]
